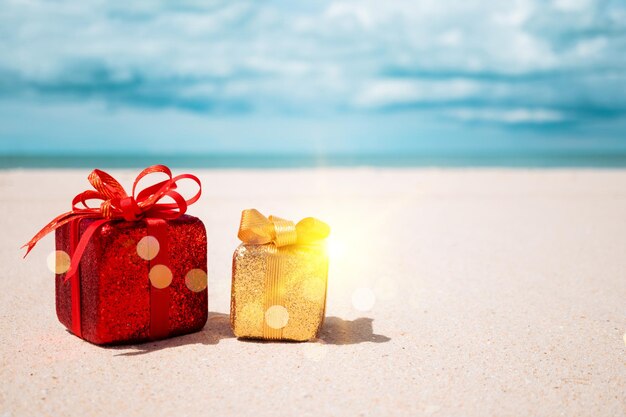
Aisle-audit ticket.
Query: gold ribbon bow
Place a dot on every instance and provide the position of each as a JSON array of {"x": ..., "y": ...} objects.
[{"x": 256, "y": 229}]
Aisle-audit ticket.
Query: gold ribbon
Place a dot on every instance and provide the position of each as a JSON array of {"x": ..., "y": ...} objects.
[{"x": 256, "y": 229}]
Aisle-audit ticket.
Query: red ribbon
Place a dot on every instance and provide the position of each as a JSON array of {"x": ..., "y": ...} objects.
[{"x": 117, "y": 205}]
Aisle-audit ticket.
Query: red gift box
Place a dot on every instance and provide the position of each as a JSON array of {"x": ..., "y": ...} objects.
[{"x": 138, "y": 266}]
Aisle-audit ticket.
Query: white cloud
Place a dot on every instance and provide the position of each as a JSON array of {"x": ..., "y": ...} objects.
[
  {"x": 572, "y": 5},
  {"x": 509, "y": 116},
  {"x": 516, "y": 14},
  {"x": 390, "y": 92},
  {"x": 345, "y": 10}
]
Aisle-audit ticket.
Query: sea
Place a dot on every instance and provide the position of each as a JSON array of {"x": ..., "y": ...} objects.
[{"x": 278, "y": 161}]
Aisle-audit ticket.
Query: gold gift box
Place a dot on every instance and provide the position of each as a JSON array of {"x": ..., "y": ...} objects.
[{"x": 280, "y": 276}]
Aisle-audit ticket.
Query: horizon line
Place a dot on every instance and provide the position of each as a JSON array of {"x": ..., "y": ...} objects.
[{"x": 218, "y": 160}]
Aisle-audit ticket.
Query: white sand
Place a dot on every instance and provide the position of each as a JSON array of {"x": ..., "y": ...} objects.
[{"x": 498, "y": 292}]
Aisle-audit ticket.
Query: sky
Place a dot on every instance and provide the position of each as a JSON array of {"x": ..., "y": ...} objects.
[{"x": 323, "y": 76}]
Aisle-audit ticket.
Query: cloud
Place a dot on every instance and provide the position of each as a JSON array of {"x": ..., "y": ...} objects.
[
  {"x": 390, "y": 92},
  {"x": 520, "y": 61},
  {"x": 509, "y": 116}
]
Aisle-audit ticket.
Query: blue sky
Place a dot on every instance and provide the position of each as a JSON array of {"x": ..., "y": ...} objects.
[{"x": 324, "y": 76}]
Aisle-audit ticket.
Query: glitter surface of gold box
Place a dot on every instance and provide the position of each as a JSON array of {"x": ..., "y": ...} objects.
[{"x": 279, "y": 292}]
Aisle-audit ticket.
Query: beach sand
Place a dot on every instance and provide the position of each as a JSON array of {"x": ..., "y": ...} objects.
[{"x": 485, "y": 293}]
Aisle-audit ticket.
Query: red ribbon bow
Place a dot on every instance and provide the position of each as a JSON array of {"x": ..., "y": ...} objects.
[{"x": 117, "y": 205}]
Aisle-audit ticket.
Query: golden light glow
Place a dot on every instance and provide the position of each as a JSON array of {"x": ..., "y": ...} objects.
[
  {"x": 276, "y": 317},
  {"x": 196, "y": 280},
  {"x": 148, "y": 247},
  {"x": 363, "y": 299},
  {"x": 336, "y": 249},
  {"x": 355, "y": 252},
  {"x": 160, "y": 276},
  {"x": 58, "y": 262}
]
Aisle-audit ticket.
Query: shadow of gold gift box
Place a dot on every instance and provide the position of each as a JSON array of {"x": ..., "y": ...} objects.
[{"x": 280, "y": 273}]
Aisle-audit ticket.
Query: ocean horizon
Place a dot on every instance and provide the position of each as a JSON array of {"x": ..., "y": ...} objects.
[{"x": 307, "y": 160}]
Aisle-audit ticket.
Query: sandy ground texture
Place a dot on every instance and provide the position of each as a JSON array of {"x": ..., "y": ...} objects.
[{"x": 452, "y": 293}]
